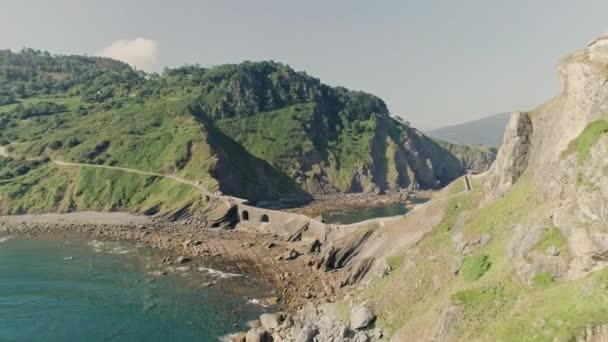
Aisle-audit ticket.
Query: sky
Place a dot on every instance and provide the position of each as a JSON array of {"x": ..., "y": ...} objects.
[{"x": 434, "y": 62}]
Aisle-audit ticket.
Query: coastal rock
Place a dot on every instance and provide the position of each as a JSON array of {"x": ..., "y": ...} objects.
[
  {"x": 271, "y": 321},
  {"x": 258, "y": 335},
  {"x": 361, "y": 317},
  {"x": 182, "y": 259},
  {"x": 242, "y": 337},
  {"x": 315, "y": 247},
  {"x": 341, "y": 251},
  {"x": 512, "y": 158},
  {"x": 307, "y": 334},
  {"x": 291, "y": 255}
]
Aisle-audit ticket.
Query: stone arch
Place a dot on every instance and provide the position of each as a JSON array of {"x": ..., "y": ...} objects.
[
  {"x": 265, "y": 218},
  {"x": 245, "y": 215}
]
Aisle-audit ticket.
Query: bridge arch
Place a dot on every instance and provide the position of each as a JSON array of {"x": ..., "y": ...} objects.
[
  {"x": 245, "y": 215},
  {"x": 264, "y": 218}
]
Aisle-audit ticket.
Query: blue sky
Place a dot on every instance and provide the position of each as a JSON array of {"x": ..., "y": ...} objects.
[{"x": 433, "y": 62}]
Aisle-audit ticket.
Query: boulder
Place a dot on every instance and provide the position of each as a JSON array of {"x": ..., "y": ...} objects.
[
  {"x": 258, "y": 335},
  {"x": 271, "y": 321},
  {"x": 242, "y": 337},
  {"x": 307, "y": 334},
  {"x": 552, "y": 250},
  {"x": 182, "y": 259},
  {"x": 291, "y": 255},
  {"x": 484, "y": 239},
  {"x": 361, "y": 317}
]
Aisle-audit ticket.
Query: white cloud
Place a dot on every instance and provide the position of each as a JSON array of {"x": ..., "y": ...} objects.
[{"x": 140, "y": 53}]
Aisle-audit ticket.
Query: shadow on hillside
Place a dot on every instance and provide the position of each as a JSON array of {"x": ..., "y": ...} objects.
[{"x": 243, "y": 175}]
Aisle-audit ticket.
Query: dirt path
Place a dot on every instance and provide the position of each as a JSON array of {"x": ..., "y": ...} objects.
[
  {"x": 202, "y": 190},
  {"x": 145, "y": 173}
]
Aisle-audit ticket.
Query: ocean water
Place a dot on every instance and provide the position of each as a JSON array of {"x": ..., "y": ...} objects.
[{"x": 53, "y": 290}]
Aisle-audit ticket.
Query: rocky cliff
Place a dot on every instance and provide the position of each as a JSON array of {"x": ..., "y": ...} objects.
[{"x": 520, "y": 257}]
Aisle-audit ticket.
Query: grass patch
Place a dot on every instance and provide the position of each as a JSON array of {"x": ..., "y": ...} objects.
[
  {"x": 582, "y": 144},
  {"x": 512, "y": 207},
  {"x": 543, "y": 279},
  {"x": 395, "y": 261},
  {"x": 552, "y": 236},
  {"x": 49, "y": 188},
  {"x": 482, "y": 304},
  {"x": 556, "y": 313},
  {"x": 474, "y": 267}
]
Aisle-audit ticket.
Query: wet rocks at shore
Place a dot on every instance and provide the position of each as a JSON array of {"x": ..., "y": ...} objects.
[{"x": 313, "y": 323}]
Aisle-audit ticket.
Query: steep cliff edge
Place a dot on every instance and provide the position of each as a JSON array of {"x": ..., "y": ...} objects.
[{"x": 521, "y": 257}]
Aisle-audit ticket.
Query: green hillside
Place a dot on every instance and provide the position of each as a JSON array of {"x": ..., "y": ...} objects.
[{"x": 252, "y": 130}]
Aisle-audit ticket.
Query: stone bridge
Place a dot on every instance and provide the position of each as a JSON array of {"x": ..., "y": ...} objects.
[{"x": 290, "y": 225}]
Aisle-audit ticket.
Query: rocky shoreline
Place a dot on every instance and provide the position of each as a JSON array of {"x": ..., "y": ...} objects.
[
  {"x": 302, "y": 294},
  {"x": 257, "y": 255}
]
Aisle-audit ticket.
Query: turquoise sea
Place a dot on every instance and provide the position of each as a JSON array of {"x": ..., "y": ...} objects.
[{"x": 52, "y": 290}]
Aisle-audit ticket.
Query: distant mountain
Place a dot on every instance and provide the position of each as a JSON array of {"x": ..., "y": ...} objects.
[{"x": 487, "y": 131}]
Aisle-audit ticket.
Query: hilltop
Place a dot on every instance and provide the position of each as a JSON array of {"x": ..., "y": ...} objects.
[
  {"x": 487, "y": 131},
  {"x": 255, "y": 130}
]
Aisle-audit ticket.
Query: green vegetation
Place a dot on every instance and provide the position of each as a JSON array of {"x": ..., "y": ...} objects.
[
  {"x": 484, "y": 304},
  {"x": 475, "y": 266},
  {"x": 586, "y": 140},
  {"x": 395, "y": 262},
  {"x": 512, "y": 207},
  {"x": 476, "y": 158},
  {"x": 253, "y": 130},
  {"x": 486, "y": 282},
  {"x": 552, "y": 236},
  {"x": 43, "y": 187},
  {"x": 543, "y": 279},
  {"x": 556, "y": 313}
]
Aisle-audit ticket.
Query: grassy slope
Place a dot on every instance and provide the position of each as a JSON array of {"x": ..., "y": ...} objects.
[
  {"x": 283, "y": 138},
  {"x": 47, "y": 187},
  {"x": 581, "y": 146},
  {"x": 497, "y": 305},
  {"x": 155, "y": 137}
]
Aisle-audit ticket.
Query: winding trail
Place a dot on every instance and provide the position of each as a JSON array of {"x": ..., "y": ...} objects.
[
  {"x": 204, "y": 192},
  {"x": 145, "y": 173},
  {"x": 201, "y": 189}
]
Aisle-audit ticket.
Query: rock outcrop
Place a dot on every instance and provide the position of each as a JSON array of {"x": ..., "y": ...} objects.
[{"x": 512, "y": 158}]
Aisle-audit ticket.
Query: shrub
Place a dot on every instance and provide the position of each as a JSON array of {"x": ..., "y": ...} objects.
[
  {"x": 71, "y": 142},
  {"x": 55, "y": 145},
  {"x": 476, "y": 266},
  {"x": 543, "y": 279},
  {"x": 584, "y": 142}
]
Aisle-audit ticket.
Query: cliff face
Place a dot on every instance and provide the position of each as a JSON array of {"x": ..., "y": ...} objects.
[
  {"x": 563, "y": 147},
  {"x": 475, "y": 158},
  {"x": 523, "y": 256}
]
